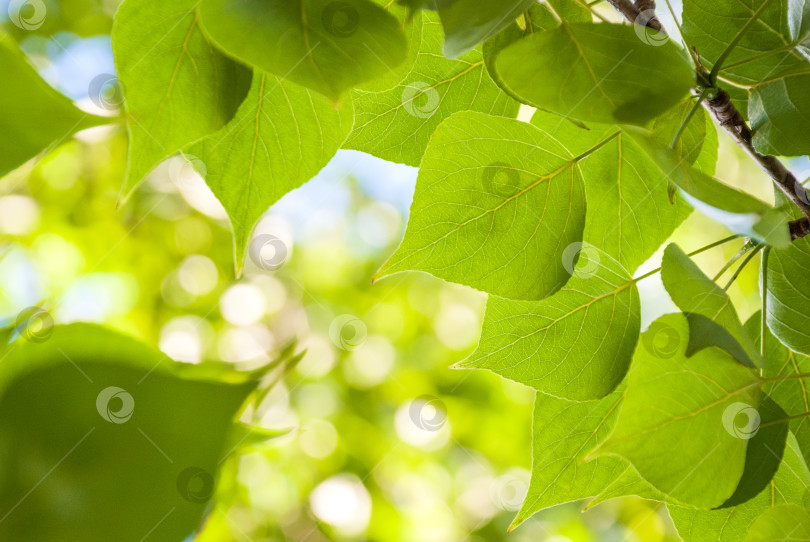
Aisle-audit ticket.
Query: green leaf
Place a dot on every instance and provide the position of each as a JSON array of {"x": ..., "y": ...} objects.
[
  {"x": 467, "y": 23},
  {"x": 629, "y": 212},
  {"x": 34, "y": 116},
  {"x": 731, "y": 524},
  {"x": 738, "y": 211},
  {"x": 496, "y": 206},
  {"x": 412, "y": 27},
  {"x": 563, "y": 433},
  {"x": 779, "y": 112},
  {"x": 691, "y": 396},
  {"x": 764, "y": 453},
  {"x": 770, "y": 61},
  {"x": 694, "y": 292},
  {"x": 537, "y": 18},
  {"x": 593, "y": 73},
  {"x": 792, "y": 393},
  {"x": 282, "y": 135},
  {"x": 770, "y": 49},
  {"x": 244, "y": 436},
  {"x": 705, "y": 332},
  {"x": 177, "y": 87},
  {"x": 577, "y": 344},
  {"x": 698, "y": 144},
  {"x": 129, "y": 440},
  {"x": 323, "y": 45},
  {"x": 785, "y": 289},
  {"x": 396, "y": 125},
  {"x": 572, "y": 11},
  {"x": 784, "y": 522}
]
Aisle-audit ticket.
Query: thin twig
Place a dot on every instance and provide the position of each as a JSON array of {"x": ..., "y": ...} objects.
[{"x": 734, "y": 124}]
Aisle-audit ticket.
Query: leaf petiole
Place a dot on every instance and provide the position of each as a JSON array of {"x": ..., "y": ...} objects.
[
  {"x": 745, "y": 262},
  {"x": 724, "y": 55},
  {"x": 706, "y": 93},
  {"x": 693, "y": 253},
  {"x": 785, "y": 419}
]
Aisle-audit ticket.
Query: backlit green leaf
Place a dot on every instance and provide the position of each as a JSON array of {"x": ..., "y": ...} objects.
[
  {"x": 629, "y": 212},
  {"x": 396, "y": 125},
  {"x": 177, "y": 87},
  {"x": 496, "y": 206},
  {"x": 34, "y": 116},
  {"x": 785, "y": 522},
  {"x": 791, "y": 394},
  {"x": 563, "y": 433},
  {"x": 592, "y": 74},
  {"x": 698, "y": 144},
  {"x": 694, "y": 292},
  {"x": 282, "y": 135},
  {"x": 731, "y": 524},
  {"x": 323, "y": 45},
  {"x": 737, "y": 210},
  {"x": 770, "y": 61},
  {"x": 670, "y": 397},
  {"x": 577, "y": 344},
  {"x": 779, "y": 112},
  {"x": 467, "y": 23}
]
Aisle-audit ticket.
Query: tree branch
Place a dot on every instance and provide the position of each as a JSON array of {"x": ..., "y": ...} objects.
[{"x": 734, "y": 124}]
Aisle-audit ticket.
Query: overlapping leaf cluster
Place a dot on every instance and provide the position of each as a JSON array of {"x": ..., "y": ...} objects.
[{"x": 551, "y": 218}]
